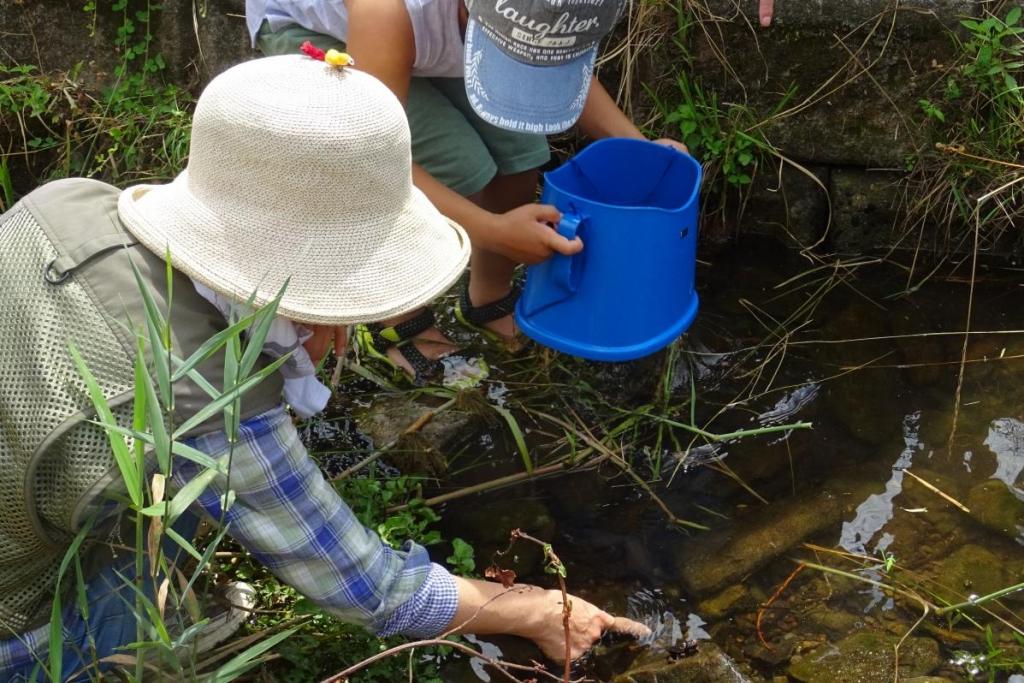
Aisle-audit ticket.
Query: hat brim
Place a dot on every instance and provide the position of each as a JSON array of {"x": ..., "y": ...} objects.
[
  {"x": 517, "y": 96},
  {"x": 330, "y": 281}
]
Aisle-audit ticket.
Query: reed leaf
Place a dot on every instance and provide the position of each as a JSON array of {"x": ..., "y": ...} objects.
[
  {"x": 218, "y": 404},
  {"x": 122, "y": 456},
  {"x": 209, "y": 348},
  {"x": 517, "y": 434},
  {"x": 246, "y": 660}
]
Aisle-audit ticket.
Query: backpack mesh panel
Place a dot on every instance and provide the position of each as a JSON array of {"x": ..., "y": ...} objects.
[{"x": 39, "y": 391}]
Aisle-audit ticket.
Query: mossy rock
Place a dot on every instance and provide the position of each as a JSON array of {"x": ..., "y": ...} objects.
[
  {"x": 722, "y": 557},
  {"x": 976, "y": 570},
  {"x": 733, "y": 599},
  {"x": 994, "y": 505},
  {"x": 425, "y": 451},
  {"x": 866, "y": 657},
  {"x": 708, "y": 665}
]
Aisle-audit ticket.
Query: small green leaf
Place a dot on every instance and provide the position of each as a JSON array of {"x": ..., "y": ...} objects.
[{"x": 188, "y": 494}]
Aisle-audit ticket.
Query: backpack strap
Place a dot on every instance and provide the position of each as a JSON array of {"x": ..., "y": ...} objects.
[{"x": 62, "y": 221}]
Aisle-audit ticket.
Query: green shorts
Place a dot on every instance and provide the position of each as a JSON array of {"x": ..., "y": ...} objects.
[{"x": 449, "y": 140}]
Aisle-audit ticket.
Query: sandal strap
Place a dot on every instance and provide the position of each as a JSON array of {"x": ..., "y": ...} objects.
[
  {"x": 481, "y": 315},
  {"x": 386, "y": 337},
  {"x": 424, "y": 368}
]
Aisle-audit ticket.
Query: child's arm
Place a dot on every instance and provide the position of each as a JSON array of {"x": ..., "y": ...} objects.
[
  {"x": 602, "y": 118},
  {"x": 381, "y": 40}
]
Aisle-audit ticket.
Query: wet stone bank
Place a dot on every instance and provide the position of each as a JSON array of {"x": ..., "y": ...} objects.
[{"x": 877, "y": 491}]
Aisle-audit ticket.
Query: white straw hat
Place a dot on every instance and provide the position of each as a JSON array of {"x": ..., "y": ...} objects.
[{"x": 300, "y": 171}]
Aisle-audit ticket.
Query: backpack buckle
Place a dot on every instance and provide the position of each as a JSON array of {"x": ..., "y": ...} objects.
[{"x": 54, "y": 276}]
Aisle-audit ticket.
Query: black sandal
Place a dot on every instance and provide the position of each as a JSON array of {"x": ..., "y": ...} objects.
[
  {"x": 477, "y": 317},
  {"x": 375, "y": 339}
]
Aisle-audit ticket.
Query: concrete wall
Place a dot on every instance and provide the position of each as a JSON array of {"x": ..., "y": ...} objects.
[{"x": 858, "y": 68}]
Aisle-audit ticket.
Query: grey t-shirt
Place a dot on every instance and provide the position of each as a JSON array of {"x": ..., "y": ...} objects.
[{"x": 435, "y": 25}]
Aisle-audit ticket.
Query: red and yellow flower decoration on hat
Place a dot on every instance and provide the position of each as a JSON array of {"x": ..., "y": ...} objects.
[{"x": 332, "y": 56}]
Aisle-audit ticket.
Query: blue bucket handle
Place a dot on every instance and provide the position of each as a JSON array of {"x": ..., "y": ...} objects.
[
  {"x": 560, "y": 274},
  {"x": 561, "y": 265}
]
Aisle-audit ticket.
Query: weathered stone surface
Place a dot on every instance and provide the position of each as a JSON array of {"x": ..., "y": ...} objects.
[
  {"x": 197, "y": 40},
  {"x": 854, "y": 118},
  {"x": 64, "y": 29},
  {"x": 719, "y": 558},
  {"x": 425, "y": 451},
  {"x": 792, "y": 206},
  {"x": 864, "y": 657},
  {"x": 709, "y": 665},
  {"x": 996, "y": 507},
  {"x": 866, "y": 205},
  {"x": 207, "y": 41}
]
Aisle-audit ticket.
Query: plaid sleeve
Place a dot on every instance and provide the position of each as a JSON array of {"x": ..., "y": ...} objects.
[
  {"x": 430, "y": 610},
  {"x": 296, "y": 524}
]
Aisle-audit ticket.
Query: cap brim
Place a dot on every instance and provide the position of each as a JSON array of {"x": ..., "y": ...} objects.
[{"x": 517, "y": 96}]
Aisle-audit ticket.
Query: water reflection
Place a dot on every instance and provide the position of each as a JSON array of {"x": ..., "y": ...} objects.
[
  {"x": 875, "y": 512},
  {"x": 1006, "y": 440},
  {"x": 790, "y": 405}
]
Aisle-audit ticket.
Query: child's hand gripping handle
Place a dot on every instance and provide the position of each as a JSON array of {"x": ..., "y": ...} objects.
[
  {"x": 562, "y": 266},
  {"x": 557, "y": 278}
]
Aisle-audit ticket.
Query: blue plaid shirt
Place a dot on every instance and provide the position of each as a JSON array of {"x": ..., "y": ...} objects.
[{"x": 296, "y": 524}]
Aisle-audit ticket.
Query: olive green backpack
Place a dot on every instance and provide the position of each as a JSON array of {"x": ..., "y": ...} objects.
[{"x": 66, "y": 276}]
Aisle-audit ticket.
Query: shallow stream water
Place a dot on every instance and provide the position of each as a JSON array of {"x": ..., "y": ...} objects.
[{"x": 879, "y": 476}]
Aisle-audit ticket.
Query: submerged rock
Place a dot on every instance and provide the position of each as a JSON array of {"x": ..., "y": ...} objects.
[
  {"x": 865, "y": 657},
  {"x": 732, "y": 599},
  {"x": 719, "y": 558},
  {"x": 976, "y": 570},
  {"x": 830, "y": 620},
  {"x": 994, "y": 505},
  {"x": 708, "y": 665}
]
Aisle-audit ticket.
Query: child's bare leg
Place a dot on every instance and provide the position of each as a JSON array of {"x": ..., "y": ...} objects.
[{"x": 491, "y": 273}]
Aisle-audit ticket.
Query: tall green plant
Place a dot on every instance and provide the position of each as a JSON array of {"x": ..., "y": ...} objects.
[
  {"x": 975, "y": 122},
  {"x": 154, "y": 432}
]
